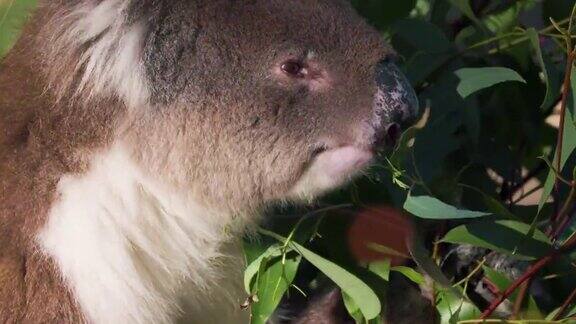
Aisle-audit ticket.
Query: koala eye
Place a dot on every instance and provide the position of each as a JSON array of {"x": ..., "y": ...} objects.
[{"x": 293, "y": 68}]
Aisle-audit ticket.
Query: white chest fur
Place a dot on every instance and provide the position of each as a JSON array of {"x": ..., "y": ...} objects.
[{"x": 130, "y": 249}]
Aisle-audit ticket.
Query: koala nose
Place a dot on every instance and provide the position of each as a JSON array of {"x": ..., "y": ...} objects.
[{"x": 395, "y": 103}]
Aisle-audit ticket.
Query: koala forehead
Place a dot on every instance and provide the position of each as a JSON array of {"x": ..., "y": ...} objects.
[{"x": 187, "y": 41}]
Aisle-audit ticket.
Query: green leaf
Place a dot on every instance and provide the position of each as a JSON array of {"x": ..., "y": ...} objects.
[
  {"x": 505, "y": 236},
  {"x": 422, "y": 258},
  {"x": 476, "y": 79},
  {"x": 254, "y": 266},
  {"x": 552, "y": 82},
  {"x": 430, "y": 48},
  {"x": 272, "y": 284},
  {"x": 381, "y": 269},
  {"x": 454, "y": 307},
  {"x": 13, "y": 14},
  {"x": 361, "y": 293},
  {"x": 414, "y": 276},
  {"x": 568, "y": 144},
  {"x": 352, "y": 308},
  {"x": 431, "y": 208},
  {"x": 493, "y": 205}
]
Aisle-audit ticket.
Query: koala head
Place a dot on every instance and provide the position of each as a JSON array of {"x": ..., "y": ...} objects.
[{"x": 241, "y": 103}]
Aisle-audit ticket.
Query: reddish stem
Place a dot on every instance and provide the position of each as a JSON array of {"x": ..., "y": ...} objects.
[
  {"x": 525, "y": 287},
  {"x": 530, "y": 272},
  {"x": 563, "y": 105},
  {"x": 565, "y": 305}
]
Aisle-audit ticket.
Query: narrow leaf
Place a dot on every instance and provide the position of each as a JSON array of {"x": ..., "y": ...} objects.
[
  {"x": 476, "y": 79},
  {"x": 432, "y": 208},
  {"x": 13, "y": 14},
  {"x": 568, "y": 144},
  {"x": 361, "y": 293},
  {"x": 272, "y": 284},
  {"x": 552, "y": 82},
  {"x": 252, "y": 269},
  {"x": 505, "y": 236}
]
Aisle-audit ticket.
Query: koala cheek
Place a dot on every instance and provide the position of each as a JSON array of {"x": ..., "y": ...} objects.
[{"x": 330, "y": 170}]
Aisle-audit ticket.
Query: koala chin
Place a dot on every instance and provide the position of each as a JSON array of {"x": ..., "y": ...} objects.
[{"x": 142, "y": 138}]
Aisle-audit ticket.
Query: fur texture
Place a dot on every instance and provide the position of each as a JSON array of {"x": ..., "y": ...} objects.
[{"x": 143, "y": 137}]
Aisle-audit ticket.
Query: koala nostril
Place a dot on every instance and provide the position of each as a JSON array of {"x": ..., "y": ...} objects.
[
  {"x": 388, "y": 136},
  {"x": 393, "y": 133}
]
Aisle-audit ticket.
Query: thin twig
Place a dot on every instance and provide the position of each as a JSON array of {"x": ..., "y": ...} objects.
[
  {"x": 565, "y": 305},
  {"x": 563, "y": 104},
  {"x": 532, "y": 270},
  {"x": 564, "y": 214},
  {"x": 529, "y": 273},
  {"x": 522, "y": 293}
]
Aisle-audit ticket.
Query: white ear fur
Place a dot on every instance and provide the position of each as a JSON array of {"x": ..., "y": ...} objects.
[{"x": 103, "y": 49}]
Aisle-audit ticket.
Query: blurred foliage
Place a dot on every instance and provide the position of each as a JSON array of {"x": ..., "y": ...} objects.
[
  {"x": 477, "y": 175},
  {"x": 13, "y": 14}
]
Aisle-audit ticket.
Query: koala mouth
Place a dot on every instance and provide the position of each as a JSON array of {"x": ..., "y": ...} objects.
[{"x": 330, "y": 168}]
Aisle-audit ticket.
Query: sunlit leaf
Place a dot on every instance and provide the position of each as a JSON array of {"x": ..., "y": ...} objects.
[
  {"x": 254, "y": 266},
  {"x": 454, "y": 307},
  {"x": 414, "y": 276},
  {"x": 476, "y": 79},
  {"x": 432, "y": 208},
  {"x": 352, "y": 308},
  {"x": 272, "y": 284},
  {"x": 360, "y": 292},
  {"x": 381, "y": 269}
]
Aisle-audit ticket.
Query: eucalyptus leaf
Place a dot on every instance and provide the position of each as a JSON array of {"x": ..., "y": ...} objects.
[
  {"x": 475, "y": 79},
  {"x": 414, "y": 276},
  {"x": 254, "y": 266},
  {"x": 360, "y": 292},
  {"x": 272, "y": 284},
  {"x": 13, "y": 15},
  {"x": 505, "y": 236},
  {"x": 568, "y": 144},
  {"x": 454, "y": 307},
  {"x": 550, "y": 78},
  {"x": 431, "y": 208}
]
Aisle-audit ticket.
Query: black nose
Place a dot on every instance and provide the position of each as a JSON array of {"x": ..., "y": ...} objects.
[{"x": 395, "y": 103}]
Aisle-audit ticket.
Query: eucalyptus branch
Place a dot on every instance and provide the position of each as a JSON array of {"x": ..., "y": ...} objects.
[
  {"x": 528, "y": 274},
  {"x": 563, "y": 216}
]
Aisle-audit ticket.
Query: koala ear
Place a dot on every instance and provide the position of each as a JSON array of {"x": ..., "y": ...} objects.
[{"x": 98, "y": 47}]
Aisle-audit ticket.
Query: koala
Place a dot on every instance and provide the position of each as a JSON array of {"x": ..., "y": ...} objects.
[{"x": 141, "y": 139}]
